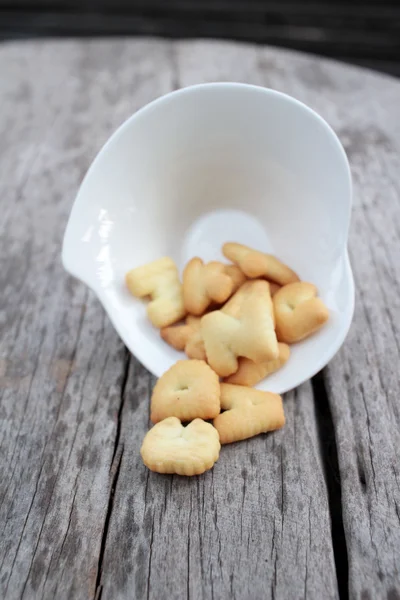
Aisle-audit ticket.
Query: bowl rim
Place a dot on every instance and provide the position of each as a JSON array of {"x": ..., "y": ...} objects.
[{"x": 174, "y": 94}]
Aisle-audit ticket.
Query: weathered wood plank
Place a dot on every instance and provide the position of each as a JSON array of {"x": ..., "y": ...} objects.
[
  {"x": 62, "y": 364},
  {"x": 256, "y": 526},
  {"x": 81, "y": 515},
  {"x": 362, "y": 382}
]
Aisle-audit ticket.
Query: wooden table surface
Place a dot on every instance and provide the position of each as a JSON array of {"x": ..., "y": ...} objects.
[{"x": 312, "y": 511}]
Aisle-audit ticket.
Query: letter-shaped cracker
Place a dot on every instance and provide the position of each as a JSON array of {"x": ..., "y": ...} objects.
[
  {"x": 171, "y": 448},
  {"x": 298, "y": 312},
  {"x": 250, "y": 373},
  {"x": 189, "y": 389},
  {"x": 254, "y": 263},
  {"x": 204, "y": 284},
  {"x": 250, "y": 332},
  {"x": 186, "y": 337},
  {"x": 234, "y": 305},
  {"x": 159, "y": 280},
  {"x": 248, "y": 412}
]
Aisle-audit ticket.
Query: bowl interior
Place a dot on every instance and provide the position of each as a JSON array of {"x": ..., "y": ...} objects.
[{"x": 205, "y": 165}]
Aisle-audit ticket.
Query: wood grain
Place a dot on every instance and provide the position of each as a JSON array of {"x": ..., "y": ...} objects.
[
  {"x": 278, "y": 515},
  {"x": 232, "y": 533},
  {"x": 62, "y": 365},
  {"x": 363, "y": 381}
]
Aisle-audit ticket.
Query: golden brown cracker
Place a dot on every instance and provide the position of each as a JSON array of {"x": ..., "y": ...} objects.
[
  {"x": 207, "y": 284},
  {"x": 298, "y": 312},
  {"x": 189, "y": 389},
  {"x": 256, "y": 264},
  {"x": 248, "y": 412},
  {"x": 169, "y": 447},
  {"x": 250, "y": 333},
  {"x": 159, "y": 280}
]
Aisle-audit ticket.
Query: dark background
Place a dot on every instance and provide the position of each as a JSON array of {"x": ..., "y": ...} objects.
[{"x": 362, "y": 32}]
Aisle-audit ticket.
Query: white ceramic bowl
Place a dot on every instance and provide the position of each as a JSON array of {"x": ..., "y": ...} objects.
[{"x": 208, "y": 164}]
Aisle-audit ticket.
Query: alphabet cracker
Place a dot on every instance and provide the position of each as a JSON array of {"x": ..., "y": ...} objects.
[
  {"x": 250, "y": 333},
  {"x": 188, "y": 390},
  {"x": 255, "y": 264},
  {"x": 159, "y": 280},
  {"x": 298, "y": 312},
  {"x": 171, "y": 448},
  {"x": 248, "y": 412}
]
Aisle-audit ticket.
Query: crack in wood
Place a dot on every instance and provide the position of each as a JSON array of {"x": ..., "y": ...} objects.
[
  {"x": 370, "y": 443},
  {"x": 41, "y": 461},
  {"x": 329, "y": 454},
  {"x": 28, "y": 395},
  {"x": 188, "y": 551},
  {"x": 150, "y": 557},
  {"x": 306, "y": 576},
  {"x": 42, "y": 527},
  {"x": 115, "y": 470},
  {"x": 127, "y": 359},
  {"x": 116, "y": 461}
]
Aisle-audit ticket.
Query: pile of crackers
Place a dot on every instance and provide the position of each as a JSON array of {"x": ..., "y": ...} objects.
[{"x": 235, "y": 323}]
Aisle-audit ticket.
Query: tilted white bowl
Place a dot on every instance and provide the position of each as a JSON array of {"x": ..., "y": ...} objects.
[{"x": 208, "y": 164}]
